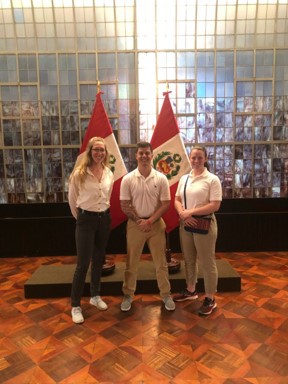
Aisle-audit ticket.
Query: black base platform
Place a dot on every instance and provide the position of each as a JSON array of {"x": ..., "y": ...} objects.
[{"x": 51, "y": 281}]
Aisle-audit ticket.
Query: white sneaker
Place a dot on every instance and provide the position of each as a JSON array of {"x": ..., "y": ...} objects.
[
  {"x": 169, "y": 303},
  {"x": 99, "y": 303},
  {"x": 77, "y": 316},
  {"x": 126, "y": 303}
]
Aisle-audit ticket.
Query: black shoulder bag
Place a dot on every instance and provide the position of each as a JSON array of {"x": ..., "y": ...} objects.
[{"x": 203, "y": 222}]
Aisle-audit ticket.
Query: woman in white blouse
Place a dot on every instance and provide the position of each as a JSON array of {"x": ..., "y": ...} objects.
[{"x": 90, "y": 188}]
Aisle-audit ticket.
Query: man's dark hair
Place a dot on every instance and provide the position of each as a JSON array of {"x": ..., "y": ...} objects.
[{"x": 144, "y": 144}]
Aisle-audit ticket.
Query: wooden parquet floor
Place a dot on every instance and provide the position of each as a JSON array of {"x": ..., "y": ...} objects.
[{"x": 244, "y": 341}]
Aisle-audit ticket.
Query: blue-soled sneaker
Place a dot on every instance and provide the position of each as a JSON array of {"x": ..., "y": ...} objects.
[
  {"x": 207, "y": 307},
  {"x": 126, "y": 303},
  {"x": 169, "y": 303},
  {"x": 185, "y": 295}
]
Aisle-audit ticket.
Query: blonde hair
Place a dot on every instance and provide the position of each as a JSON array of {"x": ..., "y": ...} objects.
[{"x": 87, "y": 159}]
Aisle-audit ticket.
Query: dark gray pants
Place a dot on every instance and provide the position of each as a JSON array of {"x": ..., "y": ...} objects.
[{"x": 92, "y": 234}]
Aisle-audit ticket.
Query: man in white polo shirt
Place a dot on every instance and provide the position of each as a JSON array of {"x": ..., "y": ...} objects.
[{"x": 144, "y": 198}]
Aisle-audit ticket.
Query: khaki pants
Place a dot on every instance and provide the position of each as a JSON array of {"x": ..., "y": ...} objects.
[
  {"x": 200, "y": 248},
  {"x": 156, "y": 241}
]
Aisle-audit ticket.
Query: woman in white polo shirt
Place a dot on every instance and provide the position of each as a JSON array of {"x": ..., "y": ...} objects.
[{"x": 199, "y": 193}]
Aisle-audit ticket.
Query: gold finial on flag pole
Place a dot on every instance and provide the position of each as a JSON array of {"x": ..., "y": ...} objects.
[
  {"x": 98, "y": 86},
  {"x": 167, "y": 86}
]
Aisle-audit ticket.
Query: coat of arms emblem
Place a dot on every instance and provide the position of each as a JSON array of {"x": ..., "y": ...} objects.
[{"x": 167, "y": 163}]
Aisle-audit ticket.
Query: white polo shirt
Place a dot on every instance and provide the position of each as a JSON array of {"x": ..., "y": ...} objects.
[
  {"x": 145, "y": 193},
  {"x": 200, "y": 190}
]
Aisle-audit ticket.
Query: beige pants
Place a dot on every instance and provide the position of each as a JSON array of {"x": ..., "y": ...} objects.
[
  {"x": 156, "y": 241},
  {"x": 200, "y": 248}
]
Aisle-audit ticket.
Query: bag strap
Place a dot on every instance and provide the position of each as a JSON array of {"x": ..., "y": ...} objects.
[{"x": 185, "y": 202}]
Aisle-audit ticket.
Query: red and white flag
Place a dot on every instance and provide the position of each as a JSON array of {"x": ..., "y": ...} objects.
[
  {"x": 169, "y": 155},
  {"x": 99, "y": 125}
]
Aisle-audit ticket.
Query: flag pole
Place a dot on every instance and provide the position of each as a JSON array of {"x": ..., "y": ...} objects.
[
  {"x": 173, "y": 264},
  {"x": 108, "y": 266}
]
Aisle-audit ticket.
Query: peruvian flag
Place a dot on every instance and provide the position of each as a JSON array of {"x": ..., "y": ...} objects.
[
  {"x": 99, "y": 125},
  {"x": 169, "y": 155}
]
